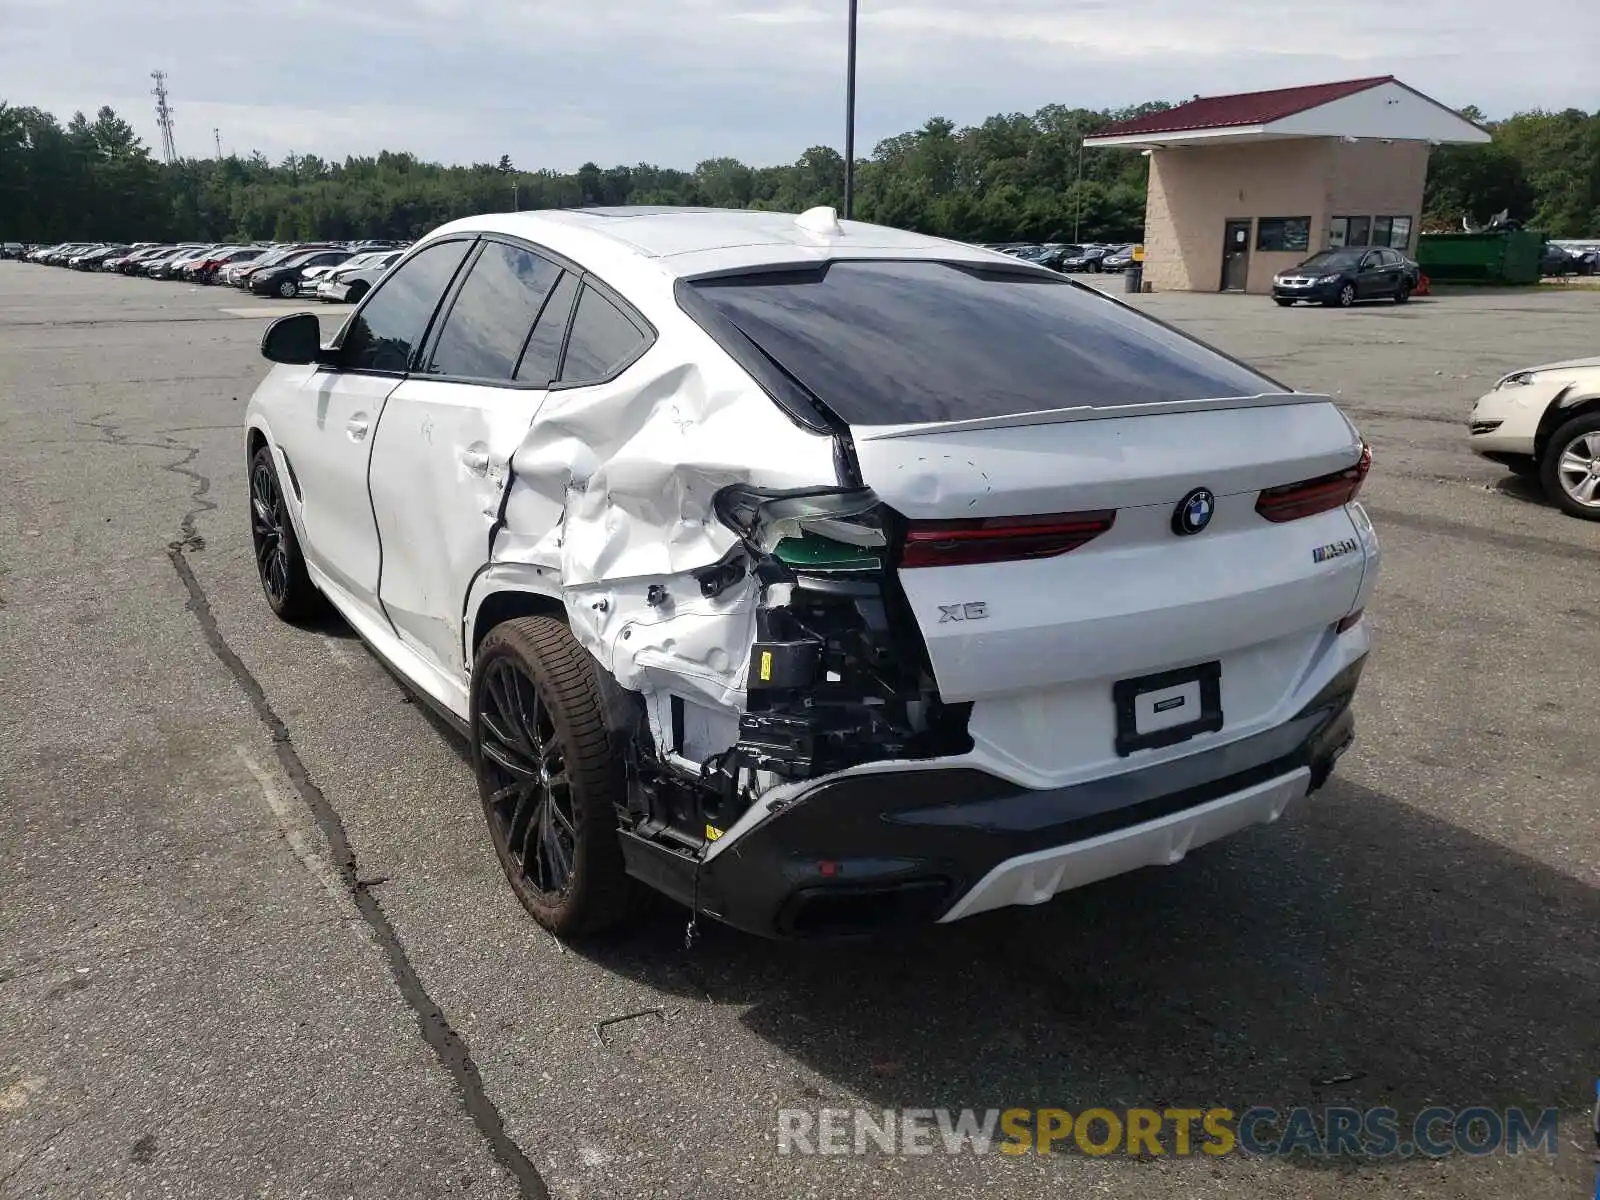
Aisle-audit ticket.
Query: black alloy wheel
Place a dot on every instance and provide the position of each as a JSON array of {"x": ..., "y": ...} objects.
[
  {"x": 548, "y": 777},
  {"x": 530, "y": 795},
  {"x": 279, "y": 563}
]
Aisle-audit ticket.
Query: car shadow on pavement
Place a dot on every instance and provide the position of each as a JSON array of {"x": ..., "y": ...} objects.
[
  {"x": 1524, "y": 488},
  {"x": 1363, "y": 953}
]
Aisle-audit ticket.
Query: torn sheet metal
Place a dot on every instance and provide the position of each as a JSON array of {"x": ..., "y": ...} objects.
[{"x": 612, "y": 489}]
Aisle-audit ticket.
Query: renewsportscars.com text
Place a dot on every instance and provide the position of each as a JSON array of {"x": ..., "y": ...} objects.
[{"x": 1330, "y": 1132}]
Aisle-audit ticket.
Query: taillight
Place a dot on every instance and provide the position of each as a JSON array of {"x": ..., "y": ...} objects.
[
  {"x": 1295, "y": 500},
  {"x": 1000, "y": 539}
]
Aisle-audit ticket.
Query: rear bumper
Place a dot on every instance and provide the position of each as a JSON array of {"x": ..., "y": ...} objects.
[{"x": 864, "y": 853}]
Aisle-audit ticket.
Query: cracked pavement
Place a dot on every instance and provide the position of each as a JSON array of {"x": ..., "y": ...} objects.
[{"x": 254, "y": 941}]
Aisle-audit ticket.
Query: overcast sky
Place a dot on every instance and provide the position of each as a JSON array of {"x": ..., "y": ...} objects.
[{"x": 555, "y": 82}]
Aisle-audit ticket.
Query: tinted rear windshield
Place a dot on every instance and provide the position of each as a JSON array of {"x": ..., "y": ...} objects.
[{"x": 887, "y": 343}]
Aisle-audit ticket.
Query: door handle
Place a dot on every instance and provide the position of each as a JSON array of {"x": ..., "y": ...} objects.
[
  {"x": 476, "y": 461},
  {"x": 357, "y": 428}
]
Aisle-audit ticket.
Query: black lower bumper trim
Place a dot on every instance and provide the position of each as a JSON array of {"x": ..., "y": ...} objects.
[{"x": 862, "y": 852}]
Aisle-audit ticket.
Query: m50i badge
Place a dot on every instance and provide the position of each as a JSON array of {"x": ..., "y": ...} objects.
[{"x": 1335, "y": 550}]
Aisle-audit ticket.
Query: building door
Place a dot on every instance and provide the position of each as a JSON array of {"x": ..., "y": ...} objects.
[{"x": 1235, "y": 255}]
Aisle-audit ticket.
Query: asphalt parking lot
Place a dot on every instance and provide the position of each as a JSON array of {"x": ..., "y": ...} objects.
[{"x": 197, "y": 1002}]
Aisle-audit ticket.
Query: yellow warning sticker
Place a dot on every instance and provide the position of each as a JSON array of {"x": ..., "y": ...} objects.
[
  {"x": 712, "y": 833},
  {"x": 766, "y": 666}
]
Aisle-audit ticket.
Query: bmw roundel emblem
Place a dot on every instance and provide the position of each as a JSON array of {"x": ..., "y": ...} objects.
[{"x": 1194, "y": 512}]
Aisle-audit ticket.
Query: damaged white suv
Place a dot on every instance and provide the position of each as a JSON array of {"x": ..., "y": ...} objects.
[{"x": 820, "y": 575}]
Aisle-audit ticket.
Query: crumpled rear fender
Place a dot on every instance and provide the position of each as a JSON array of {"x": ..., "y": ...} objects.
[{"x": 610, "y": 502}]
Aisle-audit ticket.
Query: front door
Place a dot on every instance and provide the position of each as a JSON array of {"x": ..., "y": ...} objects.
[
  {"x": 1235, "y": 255},
  {"x": 343, "y": 402},
  {"x": 326, "y": 453}
]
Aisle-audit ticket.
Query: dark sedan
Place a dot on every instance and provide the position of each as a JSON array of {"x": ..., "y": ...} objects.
[
  {"x": 1347, "y": 277},
  {"x": 1119, "y": 259},
  {"x": 283, "y": 279},
  {"x": 1091, "y": 258}
]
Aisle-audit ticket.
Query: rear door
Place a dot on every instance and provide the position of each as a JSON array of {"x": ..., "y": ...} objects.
[
  {"x": 1082, "y": 491},
  {"x": 441, "y": 463}
]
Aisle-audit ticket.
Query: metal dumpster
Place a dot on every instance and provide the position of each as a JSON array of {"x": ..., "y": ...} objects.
[{"x": 1504, "y": 256}]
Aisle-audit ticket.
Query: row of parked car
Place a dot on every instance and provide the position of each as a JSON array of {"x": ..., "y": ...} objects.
[
  {"x": 1570, "y": 257},
  {"x": 1069, "y": 257},
  {"x": 332, "y": 271}
]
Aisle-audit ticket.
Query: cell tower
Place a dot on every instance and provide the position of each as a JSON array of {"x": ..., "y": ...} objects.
[
  {"x": 217, "y": 133},
  {"x": 169, "y": 152}
]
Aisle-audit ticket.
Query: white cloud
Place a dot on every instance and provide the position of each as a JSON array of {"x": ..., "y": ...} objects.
[{"x": 553, "y": 83}]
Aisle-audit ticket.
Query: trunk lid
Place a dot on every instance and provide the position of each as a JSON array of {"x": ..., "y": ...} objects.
[{"x": 1041, "y": 644}]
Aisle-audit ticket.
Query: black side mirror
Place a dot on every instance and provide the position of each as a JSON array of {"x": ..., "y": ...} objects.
[{"x": 295, "y": 339}]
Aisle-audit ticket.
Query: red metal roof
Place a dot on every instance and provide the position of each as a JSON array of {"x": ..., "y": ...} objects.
[{"x": 1245, "y": 109}]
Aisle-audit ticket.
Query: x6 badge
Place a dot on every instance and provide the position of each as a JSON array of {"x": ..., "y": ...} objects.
[{"x": 975, "y": 611}]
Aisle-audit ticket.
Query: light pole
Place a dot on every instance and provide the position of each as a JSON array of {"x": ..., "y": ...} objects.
[
  {"x": 850, "y": 118},
  {"x": 1077, "y": 209}
]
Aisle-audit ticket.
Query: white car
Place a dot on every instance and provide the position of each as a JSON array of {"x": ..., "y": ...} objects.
[
  {"x": 820, "y": 575},
  {"x": 350, "y": 281},
  {"x": 1544, "y": 423}
]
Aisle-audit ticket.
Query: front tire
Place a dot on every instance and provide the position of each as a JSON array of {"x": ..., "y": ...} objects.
[
  {"x": 1347, "y": 296},
  {"x": 356, "y": 292},
  {"x": 1570, "y": 467},
  {"x": 279, "y": 563},
  {"x": 1282, "y": 303},
  {"x": 288, "y": 290},
  {"x": 549, "y": 778}
]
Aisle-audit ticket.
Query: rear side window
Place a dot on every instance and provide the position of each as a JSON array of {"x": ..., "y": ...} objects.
[
  {"x": 493, "y": 313},
  {"x": 603, "y": 340},
  {"x": 885, "y": 343},
  {"x": 543, "y": 354},
  {"x": 386, "y": 329}
]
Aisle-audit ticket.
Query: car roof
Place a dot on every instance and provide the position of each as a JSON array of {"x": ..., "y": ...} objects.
[{"x": 686, "y": 242}]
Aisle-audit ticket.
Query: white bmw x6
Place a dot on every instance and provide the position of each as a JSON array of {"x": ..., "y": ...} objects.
[{"x": 822, "y": 576}]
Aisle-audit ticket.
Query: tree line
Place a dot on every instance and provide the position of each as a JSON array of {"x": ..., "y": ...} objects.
[{"x": 1014, "y": 177}]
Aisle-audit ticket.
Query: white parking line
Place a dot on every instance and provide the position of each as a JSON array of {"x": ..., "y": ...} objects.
[
  {"x": 279, "y": 310},
  {"x": 311, "y": 858}
]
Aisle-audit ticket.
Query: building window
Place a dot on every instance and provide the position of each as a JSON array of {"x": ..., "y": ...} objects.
[
  {"x": 1381, "y": 227},
  {"x": 1283, "y": 233},
  {"x": 1399, "y": 232},
  {"x": 1358, "y": 231}
]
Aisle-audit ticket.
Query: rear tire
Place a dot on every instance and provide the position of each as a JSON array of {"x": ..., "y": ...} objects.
[
  {"x": 549, "y": 778},
  {"x": 1574, "y": 488},
  {"x": 1402, "y": 293}
]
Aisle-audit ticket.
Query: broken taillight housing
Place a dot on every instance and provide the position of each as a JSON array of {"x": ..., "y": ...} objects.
[
  {"x": 819, "y": 528},
  {"x": 1311, "y": 496},
  {"x": 1000, "y": 539}
]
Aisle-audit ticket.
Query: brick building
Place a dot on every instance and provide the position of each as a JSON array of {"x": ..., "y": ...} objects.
[{"x": 1243, "y": 186}]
